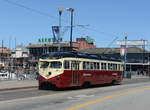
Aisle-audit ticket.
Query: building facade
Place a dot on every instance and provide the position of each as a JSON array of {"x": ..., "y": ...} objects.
[
  {"x": 36, "y": 50},
  {"x": 19, "y": 55},
  {"x": 4, "y": 57},
  {"x": 137, "y": 59}
]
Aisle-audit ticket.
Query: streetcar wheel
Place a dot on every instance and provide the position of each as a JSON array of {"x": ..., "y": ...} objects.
[
  {"x": 114, "y": 82},
  {"x": 86, "y": 85},
  {"x": 40, "y": 87}
]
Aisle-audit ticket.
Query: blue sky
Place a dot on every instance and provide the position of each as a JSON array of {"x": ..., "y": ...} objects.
[{"x": 107, "y": 20}]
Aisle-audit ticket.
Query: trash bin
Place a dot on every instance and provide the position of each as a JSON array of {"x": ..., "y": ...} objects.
[{"x": 128, "y": 75}]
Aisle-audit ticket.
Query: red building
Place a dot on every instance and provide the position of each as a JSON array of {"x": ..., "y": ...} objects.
[{"x": 82, "y": 43}]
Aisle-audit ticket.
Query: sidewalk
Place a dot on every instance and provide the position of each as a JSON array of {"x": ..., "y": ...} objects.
[
  {"x": 140, "y": 76},
  {"x": 17, "y": 84},
  {"x": 137, "y": 77}
]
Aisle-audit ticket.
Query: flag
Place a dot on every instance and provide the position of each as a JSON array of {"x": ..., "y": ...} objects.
[
  {"x": 122, "y": 50},
  {"x": 55, "y": 30}
]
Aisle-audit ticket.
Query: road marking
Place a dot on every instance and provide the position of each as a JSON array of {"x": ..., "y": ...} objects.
[
  {"x": 80, "y": 96},
  {"x": 107, "y": 97}
]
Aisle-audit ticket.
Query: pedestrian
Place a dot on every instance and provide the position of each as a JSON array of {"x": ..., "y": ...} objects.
[{"x": 138, "y": 73}]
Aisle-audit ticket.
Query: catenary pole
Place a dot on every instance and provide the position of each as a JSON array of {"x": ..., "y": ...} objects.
[{"x": 125, "y": 71}]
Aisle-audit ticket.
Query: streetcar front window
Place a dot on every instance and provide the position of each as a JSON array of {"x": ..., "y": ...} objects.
[
  {"x": 55, "y": 64},
  {"x": 44, "y": 64}
]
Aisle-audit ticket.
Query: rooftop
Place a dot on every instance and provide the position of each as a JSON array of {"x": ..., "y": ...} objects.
[
  {"x": 64, "y": 44},
  {"x": 112, "y": 50}
]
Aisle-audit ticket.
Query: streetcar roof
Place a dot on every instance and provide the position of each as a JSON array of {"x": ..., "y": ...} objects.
[{"x": 58, "y": 55}]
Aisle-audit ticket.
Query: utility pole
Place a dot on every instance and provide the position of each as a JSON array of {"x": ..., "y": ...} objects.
[
  {"x": 60, "y": 12},
  {"x": 9, "y": 58},
  {"x": 71, "y": 10},
  {"x": 125, "y": 71},
  {"x": 15, "y": 61},
  {"x": 2, "y": 46},
  {"x": 2, "y": 57}
]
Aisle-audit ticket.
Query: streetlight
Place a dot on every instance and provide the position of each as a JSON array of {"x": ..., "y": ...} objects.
[
  {"x": 60, "y": 12},
  {"x": 125, "y": 72},
  {"x": 71, "y": 10}
]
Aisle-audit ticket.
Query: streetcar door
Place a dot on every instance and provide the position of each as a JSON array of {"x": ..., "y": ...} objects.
[{"x": 74, "y": 72}]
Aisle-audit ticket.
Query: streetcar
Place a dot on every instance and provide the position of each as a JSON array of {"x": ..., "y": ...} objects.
[{"x": 67, "y": 69}]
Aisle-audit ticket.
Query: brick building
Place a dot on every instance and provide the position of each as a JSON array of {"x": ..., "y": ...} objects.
[{"x": 82, "y": 43}]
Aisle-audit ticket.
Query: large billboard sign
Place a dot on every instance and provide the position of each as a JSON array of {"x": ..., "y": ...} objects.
[{"x": 133, "y": 42}]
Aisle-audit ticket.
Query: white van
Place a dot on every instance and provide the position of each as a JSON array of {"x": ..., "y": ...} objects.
[{"x": 4, "y": 76}]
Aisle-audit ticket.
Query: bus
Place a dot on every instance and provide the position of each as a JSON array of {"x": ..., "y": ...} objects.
[{"x": 67, "y": 69}]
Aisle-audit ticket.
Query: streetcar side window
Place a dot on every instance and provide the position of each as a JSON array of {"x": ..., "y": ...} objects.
[
  {"x": 97, "y": 66},
  {"x": 114, "y": 66},
  {"x": 118, "y": 67},
  {"x": 86, "y": 65},
  {"x": 110, "y": 66},
  {"x": 103, "y": 66},
  {"x": 67, "y": 64},
  {"x": 91, "y": 65},
  {"x": 121, "y": 67}
]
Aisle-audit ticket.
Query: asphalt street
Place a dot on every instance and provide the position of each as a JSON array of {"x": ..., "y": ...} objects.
[
  {"x": 95, "y": 98},
  {"x": 34, "y": 92}
]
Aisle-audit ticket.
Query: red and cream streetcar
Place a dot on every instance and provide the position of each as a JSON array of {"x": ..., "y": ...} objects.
[{"x": 66, "y": 69}]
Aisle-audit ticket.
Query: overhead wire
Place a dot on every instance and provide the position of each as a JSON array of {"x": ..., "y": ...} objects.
[
  {"x": 31, "y": 9},
  {"x": 100, "y": 32},
  {"x": 53, "y": 17}
]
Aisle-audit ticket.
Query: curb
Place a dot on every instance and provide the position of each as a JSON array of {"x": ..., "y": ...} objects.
[{"x": 14, "y": 88}]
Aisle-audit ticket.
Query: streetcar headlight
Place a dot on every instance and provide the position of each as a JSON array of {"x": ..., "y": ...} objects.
[{"x": 49, "y": 73}]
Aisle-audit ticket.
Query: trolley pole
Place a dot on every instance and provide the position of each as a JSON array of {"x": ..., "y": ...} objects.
[{"x": 125, "y": 72}]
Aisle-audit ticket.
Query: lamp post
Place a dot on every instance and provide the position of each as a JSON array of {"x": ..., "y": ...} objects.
[
  {"x": 60, "y": 12},
  {"x": 71, "y": 10},
  {"x": 125, "y": 72}
]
